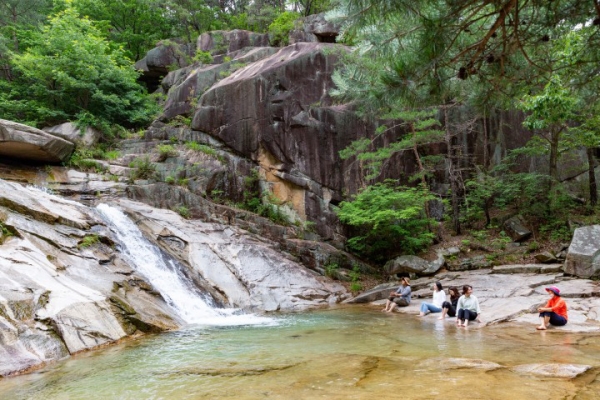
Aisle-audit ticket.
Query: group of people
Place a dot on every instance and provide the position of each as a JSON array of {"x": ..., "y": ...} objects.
[{"x": 466, "y": 308}]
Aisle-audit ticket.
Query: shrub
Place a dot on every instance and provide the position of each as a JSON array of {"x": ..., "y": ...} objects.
[
  {"x": 280, "y": 28},
  {"x": 89, "y": 240},
  {"x": 331, "y": 269},
  {"x": 143, "y": 168},
  {"x": 388, "y": 220},
  {"x": 183, "y": 211},
  {"x": 166, "y": 150},
  {"x": 203, "y": 57}
]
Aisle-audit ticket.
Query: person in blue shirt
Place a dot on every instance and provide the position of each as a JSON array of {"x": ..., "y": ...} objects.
[{"x": 400, "y": 297}]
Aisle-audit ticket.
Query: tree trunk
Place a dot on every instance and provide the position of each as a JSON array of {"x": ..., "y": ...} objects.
[
  {"x": 452, "y": 176},
  {"x": 554, "y": 140},
  {"x": 592, "y": 177}
]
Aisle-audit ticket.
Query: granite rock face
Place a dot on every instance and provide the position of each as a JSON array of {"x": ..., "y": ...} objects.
[
  {"x": 24, "y": 142},
  {"x": 583, "y": 256},
  {"x": 247, "y": 270},
  {"x": 58, "y": 297}
]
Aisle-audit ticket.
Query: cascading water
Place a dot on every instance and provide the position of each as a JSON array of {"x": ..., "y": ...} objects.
[{"x": 163, "y": 272}]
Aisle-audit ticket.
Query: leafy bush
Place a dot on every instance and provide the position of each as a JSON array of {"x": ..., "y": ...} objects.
[
  {"x": 88, "y": 241},
  {"x": 183, "y": 211},
  {"x": 70, "y": 71},
  {"x": 331, "y": 269},
  {"x": 280, "y": 28},
  {"x": 166, "y": 150},
  {"x": 143, "y": 168},
  {"x": 203, "y": 57},
  {"x": 389, "y": 220}
]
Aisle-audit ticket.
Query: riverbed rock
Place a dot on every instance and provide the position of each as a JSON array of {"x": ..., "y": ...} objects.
[
  {"x": 24, "y": 142},
  {"x": 552, "y": 370},
  {"x": 459, "y": 363},
  {"x": 225, "y": 42},
  {"x": 583, "y": 257},
  {"x": 546, "y": 257}
]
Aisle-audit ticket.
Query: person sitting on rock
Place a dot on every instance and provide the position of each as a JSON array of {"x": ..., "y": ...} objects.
[
  {"x": 449, "y": 307},
  {"x": 555, "y": 310},
  {"x": 468, "y": 307},
  {"x": 400, "y": 297},
  {"x": 439, "y": 297}
]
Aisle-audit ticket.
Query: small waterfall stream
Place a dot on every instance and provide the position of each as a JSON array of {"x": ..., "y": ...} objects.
[{"x": 164, "y": 273}]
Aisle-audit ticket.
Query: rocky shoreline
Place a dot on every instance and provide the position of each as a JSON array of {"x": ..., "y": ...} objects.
[{"x": 506, "y": 297}]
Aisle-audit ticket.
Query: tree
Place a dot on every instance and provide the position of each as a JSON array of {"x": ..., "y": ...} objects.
[
  {"x": 137, "y": 25},
  {"x": 71, "y": 72},
  {"x": 390, "y": 220}
]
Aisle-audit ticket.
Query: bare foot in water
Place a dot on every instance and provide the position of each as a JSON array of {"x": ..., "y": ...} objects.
[
  {"x": 541, "y": 328},
  {"x": 440, "y": 317}
]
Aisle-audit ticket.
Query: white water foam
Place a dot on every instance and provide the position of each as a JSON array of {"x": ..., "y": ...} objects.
[{"x": 178, "y": 291}]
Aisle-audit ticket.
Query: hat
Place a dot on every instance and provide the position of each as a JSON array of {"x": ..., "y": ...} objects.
[
  {"x": 553, "y": 289},
  {"x": 406, "y": 279}
]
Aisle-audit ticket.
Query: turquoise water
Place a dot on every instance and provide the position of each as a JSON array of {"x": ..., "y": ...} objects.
[{"x": 345, "y": 353}]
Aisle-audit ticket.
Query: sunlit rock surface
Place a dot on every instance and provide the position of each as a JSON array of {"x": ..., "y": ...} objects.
[{"x": 250, "y": 271}]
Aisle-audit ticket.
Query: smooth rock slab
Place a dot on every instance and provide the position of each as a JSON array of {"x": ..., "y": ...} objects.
[
  {"x": 583, "y": 257},
  {"x": 517, "y": 269},
  {"x": 24, "y": 142},
  {"x": 552, "y": 370}
]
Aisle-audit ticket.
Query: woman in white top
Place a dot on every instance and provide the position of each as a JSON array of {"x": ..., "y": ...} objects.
[
  {"x": 439, "y": 297},
  {"x": 467, "y": 306}
]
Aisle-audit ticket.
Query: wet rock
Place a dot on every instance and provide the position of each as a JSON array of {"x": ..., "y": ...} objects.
[
  {"x": 552, "y": 370},
  {"x": 246, "y": 270},
  {"x": 516, "y": 229},
  {"x": 583, "y": 257},
  {"x": 458, "y": 363},
  {"x": 24, "y": 142}
]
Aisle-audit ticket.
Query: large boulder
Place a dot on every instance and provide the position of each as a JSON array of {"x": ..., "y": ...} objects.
[
  {"x": 315, "y": 28},
  {"x": 414, "y": 265},
  {"x": 73, "y": 134},
  {"x": 186, "y": 85},
  {"x": 277, "y": 112},
  {"x": 583, "y": 257},
  {"x": 24, "y": 142},
  {"x": 225, "y": 42}
]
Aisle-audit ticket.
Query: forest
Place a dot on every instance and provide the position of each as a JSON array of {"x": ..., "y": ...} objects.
[{"x": 436, "y": 70}]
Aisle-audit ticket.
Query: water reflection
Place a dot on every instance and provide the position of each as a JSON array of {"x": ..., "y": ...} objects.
[{"x": 350, "y": 353}]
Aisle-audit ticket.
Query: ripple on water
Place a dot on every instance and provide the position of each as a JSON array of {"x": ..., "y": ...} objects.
[{"x": 348, "y": 353}]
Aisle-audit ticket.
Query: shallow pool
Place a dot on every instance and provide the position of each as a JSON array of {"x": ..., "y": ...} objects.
[{"x": 345, "y": 353}]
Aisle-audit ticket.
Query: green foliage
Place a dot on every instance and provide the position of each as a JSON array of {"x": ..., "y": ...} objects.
[
  {"x": 183, "y": 211},
  {"x": 4, "y": 233},
  {"x": 355, "y": 285},
  {"x": 390, "y": 220},
  {"x": 83, "y": 160},
  {"x": 166, "y": 150},
  {"x": 142, "y": 168},
  {"x": 331, "y": 269},
  {"x": 170, "y": 180},
  {"x": 203, "y": 57},
  {"x": 70, "y": 72},
  {"x": 280, "y": 28},
  {"x": 88, "y": 241}
]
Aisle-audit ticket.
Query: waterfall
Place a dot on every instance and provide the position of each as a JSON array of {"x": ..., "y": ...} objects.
[{"x": 165, "y": 274}]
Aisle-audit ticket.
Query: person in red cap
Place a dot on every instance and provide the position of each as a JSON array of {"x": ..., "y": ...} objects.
[{"x": 554, "y": 312}]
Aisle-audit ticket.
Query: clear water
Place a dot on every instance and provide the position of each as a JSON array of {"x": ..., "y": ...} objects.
[
  {"x": 165, "y": 274},
  {"x": 346, "y": 353}
]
